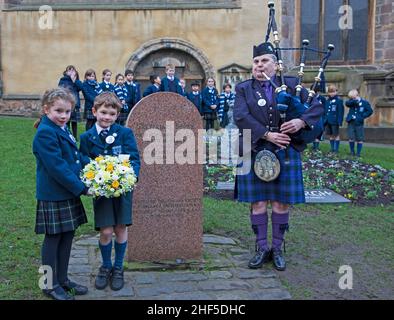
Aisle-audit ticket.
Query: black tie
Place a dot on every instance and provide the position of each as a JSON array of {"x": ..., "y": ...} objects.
[{"x": 103, "y": 135}]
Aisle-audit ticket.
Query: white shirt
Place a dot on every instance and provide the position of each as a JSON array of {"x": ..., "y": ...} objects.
[{"x": 99, "y": 129}]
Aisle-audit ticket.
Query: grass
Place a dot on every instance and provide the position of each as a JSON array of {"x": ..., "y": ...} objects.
[
  {"x": 325, "y": 228},
  {"x": 373, "y": 155}
]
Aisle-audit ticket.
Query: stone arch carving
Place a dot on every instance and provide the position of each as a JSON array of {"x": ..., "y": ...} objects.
[{"x": 171, "y": 43}]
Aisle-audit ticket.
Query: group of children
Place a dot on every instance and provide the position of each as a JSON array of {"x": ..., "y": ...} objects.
[
  {"x": 125, "y": 88},
  {"x": 59, "y": 188},
  {"x": 208, "y": 102},
  {"x": 359, "y": 110}
]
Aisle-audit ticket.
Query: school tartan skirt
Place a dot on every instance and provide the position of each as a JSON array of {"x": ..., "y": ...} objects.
[
  {"x": 88, "y": 114},
  {"x": 288, "y": 188},
  {"x": 53, "y": 217},
  {"x": 75, "y": 115},
  {"x": 122, "y": 116}
]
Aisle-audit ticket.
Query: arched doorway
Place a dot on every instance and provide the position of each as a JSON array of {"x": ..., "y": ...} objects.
[{"x": 151, "y": 58}]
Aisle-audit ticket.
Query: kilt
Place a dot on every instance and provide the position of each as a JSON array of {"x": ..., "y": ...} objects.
[
  {"x": 88, "y": 114},
  {"x": 288, "y": 188},
  {"x": 122, "y": 117},
  {"x": 75, "y": 115},
  {"x": 112, "y": 211},
  {"x": 53, "y": 217}
]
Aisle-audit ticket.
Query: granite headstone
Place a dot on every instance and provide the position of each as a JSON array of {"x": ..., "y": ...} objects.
[{"x": 167, "y": 202}]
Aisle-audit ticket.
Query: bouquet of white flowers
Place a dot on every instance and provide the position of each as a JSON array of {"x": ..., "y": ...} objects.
[{"x": 109, "y": 176}]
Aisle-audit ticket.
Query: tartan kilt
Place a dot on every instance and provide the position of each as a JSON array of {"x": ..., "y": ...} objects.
[
  {"x": 53, "y": 217},
  {"x": 288, "y": 188},
  {"x": 122, "y": 116},
  {"x": 88, "y": 114},
  {"x": 75, "y": 115}
]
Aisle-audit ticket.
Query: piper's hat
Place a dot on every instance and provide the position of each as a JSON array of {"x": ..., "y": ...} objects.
[{"x": 263, "y": 48}]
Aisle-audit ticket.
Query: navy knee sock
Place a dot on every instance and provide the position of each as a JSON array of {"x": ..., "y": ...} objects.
[
  {"x": 120, "y": 250},
  {"x": 332, "y": 143},
  {"x": 359, "y": 148},
  {"x": 337, "y": 143},
  {"x": 106, "y": 251},
  {"x": 351, "y": 145}
]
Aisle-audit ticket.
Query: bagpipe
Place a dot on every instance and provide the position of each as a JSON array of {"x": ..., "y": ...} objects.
[{"x": 290, "y": 106}]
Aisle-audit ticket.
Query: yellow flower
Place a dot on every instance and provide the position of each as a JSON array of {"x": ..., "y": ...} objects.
[
  {"x": 98, "y": 159},
  {"x": 110, "y": 167},
  {"x": 89, "y": 175},
  {"x": 115, "y": 184},
  {"x": 340, "y": 174},
  {"x": 373, "y": 174},
  {"x": 126, "y": 163}
]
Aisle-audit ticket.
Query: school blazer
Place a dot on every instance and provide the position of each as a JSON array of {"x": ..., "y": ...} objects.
[
  {"x": 125, "y": 143},
  {"x": 59, "y": 163}
]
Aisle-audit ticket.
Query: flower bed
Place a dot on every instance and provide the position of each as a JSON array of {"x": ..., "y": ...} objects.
[{"x": 363, "y": 184}]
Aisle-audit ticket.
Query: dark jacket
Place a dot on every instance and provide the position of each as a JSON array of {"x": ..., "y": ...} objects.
[
  {"x": 333, "y": 111},
  {"x": 249, "y": 115},
  {"x": 59, "y": 163},
  {"x": 125, "y": 143},
  {"x": 165, "y": 85},
  {"x": 209, "y": 98},
  {"x": 74, "y": 87},
  {"x": 151, "y": 89},
  {"x": 197, "y": 100},
  {"x": 359, "y": 110}
]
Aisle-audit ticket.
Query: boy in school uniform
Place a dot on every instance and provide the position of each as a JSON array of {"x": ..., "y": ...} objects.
[
  {"x": 133, "y": 88},
  {"x": 111, "y": 214},
  {"x": 170, "y": 83},
  {"x": 359, "y": 110},
  {"x": 196, "y": 97},
  {"x": 333, "y": 117},
  {"x": 155, "y": 85}
]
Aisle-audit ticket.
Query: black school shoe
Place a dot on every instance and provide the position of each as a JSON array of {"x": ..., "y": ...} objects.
[
  {"x": 278, "y": 260},
  {"x": 262, "y": 256},
  {"x": 102, "y": 278},
  {"x": 117, "y": 281},
  {"x": 74, "y": 288},
  {"x": 57, "y": 293}
]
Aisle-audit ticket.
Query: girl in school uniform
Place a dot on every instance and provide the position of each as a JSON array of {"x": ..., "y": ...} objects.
[
  {"x": 90, "y": 89},
  {"x": 70, "y": 81},
  {"x": 111, "y": 214},
  {"x": 58, "y": 190},
  {"x": 106, "y": 84},
  {"x": 122, "y": 93},
  {"x": 209, "y": 103}
]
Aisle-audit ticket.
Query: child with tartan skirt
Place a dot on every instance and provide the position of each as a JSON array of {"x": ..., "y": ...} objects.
[
  {"x": 111, "y": 214},
  {"x": 58, "y": 190},
  {"x": 209, "y": 103},
  {"x": 90, "y": 89},
  {"x": 70, "y": 80},
  {"x": 122, "y": 93},
  {"x": 226, "y": 102},
  {"x": 359, "y": 110}
]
